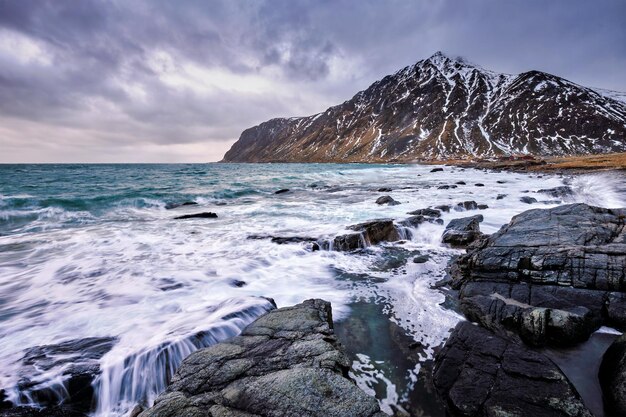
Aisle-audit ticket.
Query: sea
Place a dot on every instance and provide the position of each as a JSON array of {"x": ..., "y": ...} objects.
[{"x": 96, "y": 270}]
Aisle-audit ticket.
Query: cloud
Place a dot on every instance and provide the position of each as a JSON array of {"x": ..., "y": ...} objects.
[{"x": 146, "y": 81}]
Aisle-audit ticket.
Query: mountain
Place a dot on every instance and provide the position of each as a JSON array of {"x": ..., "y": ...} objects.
[{"x": 442, "y": 108}]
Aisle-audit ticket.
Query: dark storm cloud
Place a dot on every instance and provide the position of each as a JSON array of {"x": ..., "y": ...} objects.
[{"x": 165, "y": 80}]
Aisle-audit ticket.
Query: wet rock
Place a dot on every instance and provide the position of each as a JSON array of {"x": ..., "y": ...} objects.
[
  {"x": 479, "y": 184},
  {"x": 205, "y": 215},
  {"x": 366, "y": 234},
  {"x": 55, "y": 411},
  {"x": 460, "y": 183},
  {"x": 613, "y": 377},
  {"x": 446, "y": 187},
  {"x": 478, "y": 373},
  {"x": 466, "y": 205},
  {"x": 428, "y": 212},
  {"x": 170, "y": 206},
  {"x": 444, "y": 208},
  {"x": 420, "y": 259},
  {"x": 501, "y": 196},
  {"x": 558, "y": 192},
  {"x": 528, "y": 200},
  {"x": 77, "y": 361},
  {"x": 482, "y": 206},
  {"x": 348, "y": 242},
  {"x": 551, "y": 275},
  {"x": 415, "y": 221},
  {"x": 461, "y": 232},
  {"x": 386, "y": 200},
  {"x": 286, "y": 363},
  {"x": 238, "y": 283},
  {"x": 436, "y": 170},
  {"x": 282, "y": 191},
  {"x": 501, "y": 182},
  {"x": 385, "y": 190}
]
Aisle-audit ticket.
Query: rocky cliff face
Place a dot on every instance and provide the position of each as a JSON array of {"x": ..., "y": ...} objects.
[{"x": 445, "y": 108}]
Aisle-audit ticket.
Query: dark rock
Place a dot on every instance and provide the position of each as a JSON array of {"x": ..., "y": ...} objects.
[
  {"x": 170, "y": 206},
  {"x": 436, "y": 170},
  {"x": 558, "y": 192},
  {"x": 443, "y": 207},
  {"x": 466, "y": 205},
  {"x": 479, "y": 184},
  {"x": 428, "y": 212},
  {"x": 460, "y": 183},
  {"x": 282, "y": 191},
  {"x": 415, "y": 221},
  {"x": 77, "y": 361},
  {"x": 205, "y": 215},
  {"x": 385, "y": 190},
  {"x": 551, "y": 275},
  {"x": 528, "y": 200},
  {"x": 386, "y": 200},
  {"x": 238, "y": 283},
  {"x": 446, "y": 187},
  {"x": 613, "y": 377},
  {"x": 463, "y": 231},
  {"x": 501, "y": 196},
  {"x": 421, "y": 259},
  {"x": 367, "y": 234},
  {"x": 286, "y": 363},
  {"x": 136, "y": 411},
  {"x": 478, "y": 373},
  {"x": 54, "y": 411},
  {"x": 501, "y": 182},
  {"x": 483, "y": 206}
]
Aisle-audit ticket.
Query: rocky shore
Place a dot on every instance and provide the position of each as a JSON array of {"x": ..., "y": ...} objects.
[
  {"x": 549, "y": 278},
  {"x": 287, "y": 363}
]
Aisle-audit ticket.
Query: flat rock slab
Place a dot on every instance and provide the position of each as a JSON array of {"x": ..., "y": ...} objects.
[
  {"x": 287, "y": 363},
  {"x": 478, "y": 373},
  {"x": 552, "y": 275}
]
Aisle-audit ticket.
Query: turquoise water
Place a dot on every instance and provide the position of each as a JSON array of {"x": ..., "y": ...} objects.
[{"x": 94, "y": 251}]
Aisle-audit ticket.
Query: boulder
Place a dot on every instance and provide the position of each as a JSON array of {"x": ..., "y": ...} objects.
[
  {"x": 478, "y": 373},
  {"x": 386, "y": 199},
  {"x": 436, "y": 170},
  {"x": 501, "y": 196},
  {"x": 446, "y": 187},
  {"x": 286, "y": 363},
  {"x": 461, "y": 232},
  {"x": 479, "y": 184},
  {"x": 551, "y": 275},
  {"x": 466, "y": 205},
  {"x": 443, "y": 207},
  {"x": 385, "y": 190},
  {"x": 282, "y": 191},
  {"x": 365, "y": 234},
  {"x": 613, "y": 377},
  {"x": 420, "y": 259},
  {"x": 205, "y": 215},
  {"x": 460, "y": 183}
]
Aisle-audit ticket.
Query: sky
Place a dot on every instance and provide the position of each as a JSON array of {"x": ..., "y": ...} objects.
[{"x": 178, "y": 81}]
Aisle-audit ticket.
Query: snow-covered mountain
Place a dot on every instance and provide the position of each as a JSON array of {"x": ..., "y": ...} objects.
[{"x": 442, "y": 108}]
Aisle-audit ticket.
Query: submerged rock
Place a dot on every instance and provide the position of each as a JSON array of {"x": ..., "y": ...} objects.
[
  {"x": 478, "y": 373},
  {"x": 286, "y": 363},
  {"x": 463, "y": 231},
  {"x": 78, "y": 363},
  {"x": 551, "y": 275},
  {"x": 420, "y": 259},
  {"x": 385, "y": 190},
  {"x": 426, "y": 212},
  {"x": 443, "y": 207},
  {"x": 528, "y": 200},
  {"x": 170, "y": 206},
  {"x": 558, "y": 192},
  {"x": 415, "y": 221},
  {"x": 386, "y": 199},
  {"x": 205, "y": 215},
  {"x": 613, "y": 377},
  {"x": 282, "y": 191}
]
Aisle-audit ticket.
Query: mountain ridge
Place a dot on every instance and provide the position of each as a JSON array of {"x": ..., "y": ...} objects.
[{"x": 443, "y": 108}]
